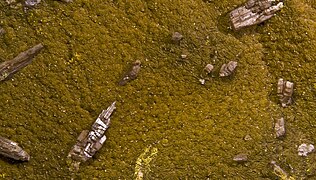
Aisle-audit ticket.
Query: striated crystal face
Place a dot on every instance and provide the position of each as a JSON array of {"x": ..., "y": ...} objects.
[
  {"x": 12, "y": 150},
  {"x": 253, "y": 12},
  {"x": 285, "y": 91},
  {"x": 90, "y": 141},
  {"x": 228, "y": 69}
]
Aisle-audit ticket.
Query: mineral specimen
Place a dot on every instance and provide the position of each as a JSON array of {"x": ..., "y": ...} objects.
[
  {"x": 176, "y": 37},
  {"x": 32, "y": 2},
  {"x": 205, "y": 72},
  {"x": 208, "y": 68},
  {"x": 254, "y": 12},
  {"x": 241, "y": 157},
  {"x": 304, "y": 149},
  {"x": 285, "y": 91},
  {"x": 131, "y": 74},
  {"x": 12, "y": 150},
  {"x": 8, "y": 68},
  {"x": 89, "y": 142},
  {"x": 228, "y": 69},
  {"x": 279, "y": 128}
]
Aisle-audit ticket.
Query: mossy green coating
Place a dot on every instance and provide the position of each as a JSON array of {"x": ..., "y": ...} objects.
[{"x": 198, "y": 129}]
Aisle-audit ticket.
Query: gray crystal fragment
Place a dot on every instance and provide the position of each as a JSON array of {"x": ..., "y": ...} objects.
[
  {"x": 279, "y": 127},
  {"x": 208, "y": 68},
  {"x": 12, "y": 150},
  {"x": 131, "y": 74},
  {"x": 285, "y": 91},
  {"x": 241, "y": 157},
  {"x": 304, "y": 149},
  {"x": 89, "y": 142},
  {"x": 206, "y": 71},
  {"x": 32, "y": 2},
  {"x": 228, "y": 69},
  {"x": 8, "y": 68},
  {"x": 254, "y": 12}
]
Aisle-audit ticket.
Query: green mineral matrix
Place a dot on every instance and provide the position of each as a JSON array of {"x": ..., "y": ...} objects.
[{"x": 167, "y": 125}]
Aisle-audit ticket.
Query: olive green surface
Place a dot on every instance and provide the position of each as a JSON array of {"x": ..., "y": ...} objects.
[{"x": 197, "y": 129}]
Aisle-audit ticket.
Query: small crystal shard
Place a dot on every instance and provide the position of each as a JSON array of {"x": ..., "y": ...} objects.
[
  {"x": 32, "y": 2},
  {"x": 279, "y": 127},
  {"x": 285, "y": 91},
  {"x": 304, "y": 149},
  {"x": 228, "y": 69},
  {"x": 176, "y": 37},
  {"x": 241, "y": 157},
  {"x": 131, "y": 74}
]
